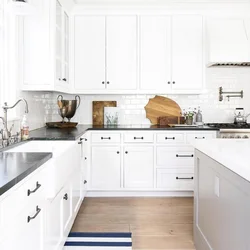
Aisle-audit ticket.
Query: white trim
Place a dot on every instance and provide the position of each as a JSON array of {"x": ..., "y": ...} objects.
[{"x": 139, "y": 194}]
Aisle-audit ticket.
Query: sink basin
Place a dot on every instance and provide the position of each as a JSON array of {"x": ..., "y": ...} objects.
[
  {"x": 55, "y": 147},
  {"x": 59, "y": 166}
]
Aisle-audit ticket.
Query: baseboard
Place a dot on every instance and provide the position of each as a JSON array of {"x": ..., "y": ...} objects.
[{"x": 139, "y": 194}]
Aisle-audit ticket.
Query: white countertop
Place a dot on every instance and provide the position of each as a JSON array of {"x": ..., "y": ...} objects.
[{"x": 232, "y": 153}]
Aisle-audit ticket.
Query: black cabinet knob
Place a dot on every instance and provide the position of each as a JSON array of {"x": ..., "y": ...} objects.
[
  {"x": 118, "y": 152},
  {"x": 103, "y": 82},
  {"x": 126, "y": 152},
  {"x": 107, "y": 82},
  {"x": 64, "y": 79},
  {"x": 168, "y": 82},
  {"x": 173, "y": 82},
  {"x": 65, "y": 197},
  {"x": 85, "y": 182}
]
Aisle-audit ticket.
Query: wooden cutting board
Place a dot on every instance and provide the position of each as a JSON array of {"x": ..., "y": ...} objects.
[
  {"x": 161, "y": 106},
  {"x": 98, "y": 111}
]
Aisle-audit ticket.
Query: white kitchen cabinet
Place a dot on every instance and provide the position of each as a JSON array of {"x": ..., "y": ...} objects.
[
  {"x": 28, "y": 234},
  {"x": 44, "y": 52},
  {"x": 121, "y": 54},
  {"x": 155, "y": 53},
  {"x": 105, "y": 167},
  {"x": 89, "y": 53},
  {"x": 187, "y": 52},
  {"x": 53, "y": 223},
  {"x": 66, "y": 201},
  {"x": 105, "y": 53},
  {"x": 76, "y": 190},
  {"x": 138, "y": 167}
]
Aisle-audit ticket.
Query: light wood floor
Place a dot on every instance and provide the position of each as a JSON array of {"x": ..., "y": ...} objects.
[{"x": 155, "y": 223}]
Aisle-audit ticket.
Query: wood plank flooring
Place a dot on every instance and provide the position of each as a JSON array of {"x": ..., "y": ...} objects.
[{"x": 155, "y": 223}]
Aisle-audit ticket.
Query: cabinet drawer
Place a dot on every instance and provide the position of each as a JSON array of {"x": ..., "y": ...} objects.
[
  {"x": 106, "y": 138},
  {"x": 31, "y": 192},
  {"x": 199, "y": 136},
  {"x": 138, "y": 138},
  {"x": 175, "y": 179},
  {"x": 170, "y": 157},
  {"x": 171, "y": 138}
]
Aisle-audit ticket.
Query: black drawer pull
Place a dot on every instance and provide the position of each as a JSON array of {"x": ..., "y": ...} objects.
[
  {"x": 138, "y": 138},
  {"x": 38, "y": 210},
  {"x": 199, "y": 137},
  {"x": 33, "y": 191},
  {"x": 65, "y": 197},
  {"x": 80, "y": 142},
  {"x": 187, "y": 178},
  {"x": 184, "y": 155},
  {"x": 169, "y": 138},
  {"x": 106, "y": 138}
]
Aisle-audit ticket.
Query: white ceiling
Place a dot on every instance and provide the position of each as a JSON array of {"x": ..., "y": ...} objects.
[{"x": 156, "y": 1}]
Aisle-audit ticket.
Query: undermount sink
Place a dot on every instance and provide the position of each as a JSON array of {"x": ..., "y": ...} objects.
[{"x": 55, "y": 147}]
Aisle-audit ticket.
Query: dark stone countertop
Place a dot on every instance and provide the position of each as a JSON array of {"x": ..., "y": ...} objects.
[
  {"x": 74, "y": 133},
  {"x": 14, "y": 167}
]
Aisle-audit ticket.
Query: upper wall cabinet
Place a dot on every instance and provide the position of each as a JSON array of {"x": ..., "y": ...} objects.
[
  {"x": 105, "y": 53},
  {"x": 44, "y": 49},
  {"x": 171, "y": 53},
  {"x": 155, "y": 53},
  {"x": 187, "y": 52}
]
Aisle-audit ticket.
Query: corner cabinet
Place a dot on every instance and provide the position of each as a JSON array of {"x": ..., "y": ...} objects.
[
  {"x": 44, "y": 49},
  {"x": 105, "y": 53}
]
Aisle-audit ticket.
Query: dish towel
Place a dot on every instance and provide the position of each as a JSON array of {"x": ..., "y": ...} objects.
[{"x": 99, "y": 241}]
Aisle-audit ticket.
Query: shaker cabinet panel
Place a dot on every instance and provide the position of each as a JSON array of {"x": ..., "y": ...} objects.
[
  {"x": 187, "y": 52},
  {"x": 139, "y": 167},
  {"x": 121, "y": 58},
  {"x": 106, "y": 168},
  {"x": 155, "y": 52},
  {"x": 89, "y": 52}
]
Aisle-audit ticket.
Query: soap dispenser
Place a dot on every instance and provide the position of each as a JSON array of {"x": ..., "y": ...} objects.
[{"x": 199, "y": 118}]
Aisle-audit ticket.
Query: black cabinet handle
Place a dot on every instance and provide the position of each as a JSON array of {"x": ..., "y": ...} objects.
[
  {"x": 169, "y": 138},
  {"x": 106, "y": 138},
  {"x": 65, "y": 197},
  {"x": 107, "y": 82},
  {"x": 81, "y": 139},
  {"x": 177, "y": 155},
  {"x": 169, "y": 82},
  {"x": 38, "y": 210},
  {"x": 64, "y": 79},
  {"x": 138, "y": 138},
  {"x": 85, "y": 182},
  {"x": 203, "y": 137},
  {"x": 33, "y": 191},
  {"x": 80, "y": 142},
  {"x": 118, "y": 152},
  {"x": 85, "y": 158},
  {"x": 126, "y": 152},
  {"x": 184, "y": 178},
  {"x": 173, "y": 82},
  {"x": 103, "y": 82}
]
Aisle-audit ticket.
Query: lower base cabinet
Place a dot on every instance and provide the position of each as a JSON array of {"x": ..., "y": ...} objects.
[
  {"x": 106, "y": 168},
  {"x": 29, "y": 231},
  {"x": 138, "y": 167}
]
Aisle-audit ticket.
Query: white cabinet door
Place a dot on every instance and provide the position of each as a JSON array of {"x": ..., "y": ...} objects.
[
  {"x": 66, "y": 200},
  {"x": 27, "y": 235},
  {"x": 139, "y": 167},
  {"x": 155, "y": 53},
  {"x": 53, "y": 224},
  {"x": 76, "y": 184},
  {"x": 121, "y": 52},
  {"x": 106, "y": 167},
  {"x": 89, "y": 53},
  {"x": 187, "y": 52}
]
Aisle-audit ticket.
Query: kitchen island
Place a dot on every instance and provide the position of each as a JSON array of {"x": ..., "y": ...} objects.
[{"x": 222, "y": 195}]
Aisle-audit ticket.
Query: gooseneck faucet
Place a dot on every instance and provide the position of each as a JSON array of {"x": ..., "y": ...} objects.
[{"x": 5, "y": 132}]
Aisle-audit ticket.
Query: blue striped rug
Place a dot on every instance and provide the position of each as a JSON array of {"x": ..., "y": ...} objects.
[{"x": 99, "y": 241}]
